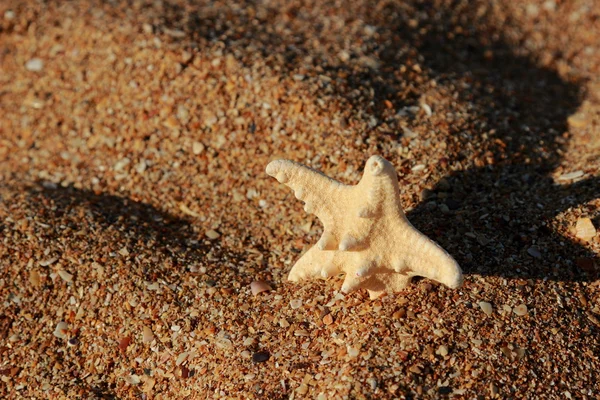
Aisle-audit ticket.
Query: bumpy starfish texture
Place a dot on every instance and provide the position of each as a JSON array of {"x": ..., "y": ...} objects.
[{"x": 366, "y": 234}]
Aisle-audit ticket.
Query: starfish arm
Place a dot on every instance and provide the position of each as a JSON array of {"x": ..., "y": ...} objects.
[
  {"x": 314, "y": 263},
  {"x": 319, "y": 192},
  {"x": 423, "y": 257},
  {"x": 351, "y": 283}
]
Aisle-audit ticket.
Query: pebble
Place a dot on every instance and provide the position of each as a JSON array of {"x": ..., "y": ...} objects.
[
  {"x": 520, "y": 310},
  {"x": 284, "y": 323},
  {"x": 212, "y": 234},
  {"x": 133, "y": 379},
  {"x": 183, "y": 115},
  {"x": 124, "y": 343},
  {"x": 409, "y": 133},
  {"x": 534, "y": 252},
  {"x": 328, "y": 319},
  {"x": 147, "y": 335},
  {"x": 61, "y": 330},
  {"x": 442, "y": 351},
  {"x": 197, "y": 148},
  {"x": 486, "y": 307},
  {"x": 35, "y": 65},
  {"x": 427, "y": 109},
  {"x": 415, "y": 369},
  {"x": 260, "y": 356},
  {"x": 302, "y": 389},
  {"x": 141, "y": 167},
  {"x": 584, "y": 229},
  {"x": 34, "y": 278},
  {"x": 352, "y": 351},
  {"x": 444, "y": 390},
  {"x": 171, "y": 122},
  {"x": 295, "y": 303},
  {"x": 258, "y": 287}
]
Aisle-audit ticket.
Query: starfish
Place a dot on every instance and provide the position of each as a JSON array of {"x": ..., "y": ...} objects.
[{"x": 366, "y": 234}]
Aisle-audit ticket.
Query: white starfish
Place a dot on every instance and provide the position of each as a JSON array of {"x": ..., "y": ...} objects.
[{"x": 366, "y": 234}]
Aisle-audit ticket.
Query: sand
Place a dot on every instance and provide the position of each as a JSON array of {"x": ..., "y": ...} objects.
[{"x": 135, "y": 211}]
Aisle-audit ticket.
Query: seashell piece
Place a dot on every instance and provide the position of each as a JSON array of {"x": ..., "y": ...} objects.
[
  {"x": 61, "y": 330},
  {"x": 486, "y": 308},
  {"x": 378, "y": 250},
  {"x": 584, "y": 229},
  {"x": 65, "y": 276},
  {"x": 520, "y": 310},
  {"x": 258, "y": 287}
]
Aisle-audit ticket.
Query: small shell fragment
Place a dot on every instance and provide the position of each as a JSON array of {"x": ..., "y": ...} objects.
[
  {"x": 427, "y": 108},
  {"x": 34, "y": 278},
  {"x": 295, "y": 303},
  {"x": 584, "y": 229},
  {"x": 520, "y": 310},
  {"x": 212, "y": 234},
  {"x": 35, "y": 65},
  {"x": 147, "y": 335},
  {"x": 197, "y": 148},
  {"x": 352, "y": 351},
  {"x": 50, "y": 261},
  {"x": 571, "y": 175},
  {"x": 442, "y": 351},
  {"x": 181, "y": 358},
  {"x": 259, "y": 286},
  {"x": 486, "y": 307},
  {"x": 67, "y": 277},
  {"x": 133, "y": 379},
  {"x": 61, "y": 330}
]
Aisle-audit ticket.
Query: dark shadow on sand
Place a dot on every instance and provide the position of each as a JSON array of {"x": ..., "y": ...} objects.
[{"x": 111, "y": 223}]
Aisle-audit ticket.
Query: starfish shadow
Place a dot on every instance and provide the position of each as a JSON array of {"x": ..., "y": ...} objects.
[
  {"x": 500, "y": 212},
  {"x": 112, "y": 223}
]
